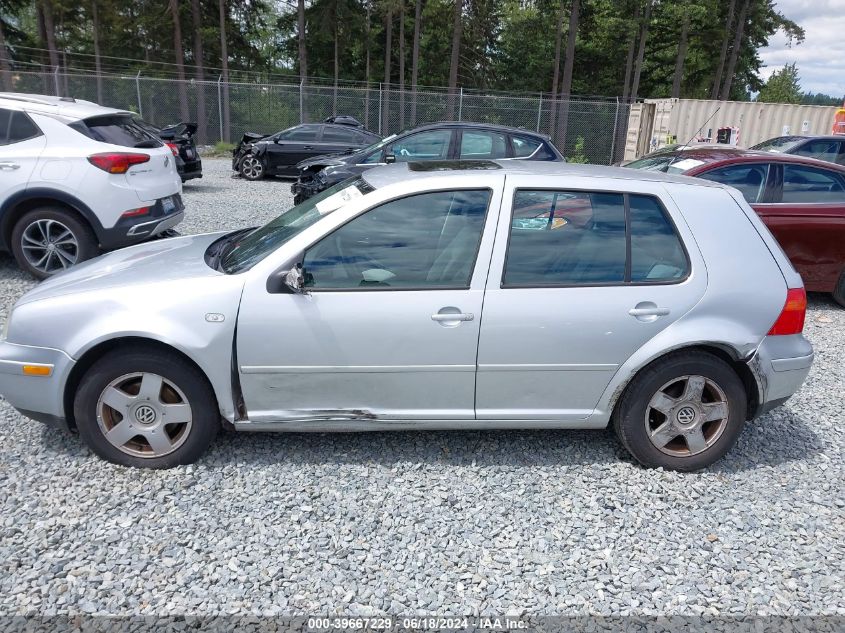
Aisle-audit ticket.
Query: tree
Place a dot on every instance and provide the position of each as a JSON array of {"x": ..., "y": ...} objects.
[
  {"x": 224, "y": 59},
  {"x": 5, "y": 68},
  {"x": 556, "y": 71},
  {"x": 782, "y": 87},
  {"x": 683, "y": 43},
  {"x": 455, "y": 59},
  {"x": 180, "y": 60},
  {"x": 401, "y": 64},
  {"x": 388, "y": 40},
  {"x": 635, "y": 82},
  {"x": 200, "y": 71},
  {"x": 566, "y": 80},
  {"x": 726, "y": 38},
  {"x": 415, "y": 59},
  {"x": 739, "y": 31},
  {"x": 303, "y": 56},
  {"x": 95, "y": 20}
]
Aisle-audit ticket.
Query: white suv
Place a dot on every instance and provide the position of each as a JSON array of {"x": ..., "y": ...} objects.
[{"x": 77, "y": 178}]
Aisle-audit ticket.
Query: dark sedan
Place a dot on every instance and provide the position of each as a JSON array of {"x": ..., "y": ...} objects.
[
  {"x": 801, "y": 200},
  {"x": 258, "y": 156},
  {"x": 830, "y": 148},
  {"x": 438, "y": 141}
]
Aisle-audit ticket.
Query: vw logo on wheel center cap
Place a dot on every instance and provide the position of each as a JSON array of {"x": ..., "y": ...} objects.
[
  {"x": 685, "y": 415},
  {"x": 145, "y": 414}
]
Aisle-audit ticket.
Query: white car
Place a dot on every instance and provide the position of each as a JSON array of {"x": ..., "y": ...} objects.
[{"x": 77, "y": 179}]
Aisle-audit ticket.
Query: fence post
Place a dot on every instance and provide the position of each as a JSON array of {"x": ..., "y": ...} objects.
[
  {"x": 539, "y": 112},
  {"x": 461, "y": 103},
  {"x": 138, "y": 92},
  {"x": 220, "y": 107},
  {"x": 301, "y": 100},
  {"x": 615, "y": 132},
  {"x": 379, "y": 109},
  {"x": 56, "y": 80}
]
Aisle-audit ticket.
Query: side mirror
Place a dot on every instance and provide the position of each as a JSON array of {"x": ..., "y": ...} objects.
[
  {"x": 390, "y": 158},
  {"x": 289, "y": 282}
]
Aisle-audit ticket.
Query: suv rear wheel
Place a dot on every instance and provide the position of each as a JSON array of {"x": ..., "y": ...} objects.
[
  {"x": 683, "y": 412},
  {"x": 46, "y": 241}
]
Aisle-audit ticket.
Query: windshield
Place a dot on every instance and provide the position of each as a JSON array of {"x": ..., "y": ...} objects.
[
  {"x": 377, "y": 145},
  {"x": 255, "y": 246},
  {"x": 671, "y": 164},
  {"x": 779, "y": 144}
]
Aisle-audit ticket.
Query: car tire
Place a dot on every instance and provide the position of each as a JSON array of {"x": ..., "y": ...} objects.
[
  {"x": 145, "y": 388},
  {"x": 839, "y": 291},
  {"x": 252, "y": 167},
  {"x": 60, "y": 236},
  {"x": 682, "y": 412}
]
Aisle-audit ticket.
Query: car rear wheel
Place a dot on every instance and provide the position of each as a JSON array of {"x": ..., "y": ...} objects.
[
  {"x": 839, "y": 291},
  {"x": 683, "y": 412},
  {"x": 252, "y": 168},
  {"x": 46, "y": 241},
  {"x": 147, "y": 409}
]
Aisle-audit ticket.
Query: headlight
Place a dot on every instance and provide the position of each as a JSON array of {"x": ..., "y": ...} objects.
[{"x": 6, "y": 323}]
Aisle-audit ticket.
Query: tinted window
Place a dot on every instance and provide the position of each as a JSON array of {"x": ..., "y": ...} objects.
[
  {"x": 331, "y": 134},
  {"x": 16, "y": 126},
  {"x": 424, "y": 241},
  {"x": 749, "y": 179},
  {"x": 301, "y": 133},
  {"x": 482, "y": 144},
  {"x": 808, "y": 184},
  {"x": 523, "y": 147},
  {"x": 779, "y": 144},
  {"x": 117, "y": 130},
  {"x": 566, "y": 238},
  {"x": 656, "y": 251},
  {"x": 821, "y": 149},
  {"x": 431, "y": 145}
]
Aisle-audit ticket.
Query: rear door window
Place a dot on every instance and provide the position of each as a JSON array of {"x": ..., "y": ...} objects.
[
  {"x": 579, "y": 238},
  {"x": 301, "y": 133},
  {"x": 481, "y": 144},
  {"x": 120, "y": 130},
  {"x": 750, "y": 179},
  {"x": 822, "y": 149},
  {"x": 806, "y": 185},
  {"x": 340, "y": 135}
]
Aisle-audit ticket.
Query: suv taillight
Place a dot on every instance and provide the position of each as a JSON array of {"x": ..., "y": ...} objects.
[
  {"x": 173, "y": 148},
  {"x": 791, "y": 319},
  {"x": 117, "y": 162}
]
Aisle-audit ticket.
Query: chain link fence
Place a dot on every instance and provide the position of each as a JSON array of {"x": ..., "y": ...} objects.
[{"x": 585, "y": 130}]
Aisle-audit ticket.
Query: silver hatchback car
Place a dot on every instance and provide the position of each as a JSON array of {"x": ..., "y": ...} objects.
[{"x": 468, "y": 295}]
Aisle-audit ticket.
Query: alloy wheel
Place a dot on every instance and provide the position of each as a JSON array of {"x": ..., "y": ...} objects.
[
  {"x": 144, "y": 415},
  {"x": 49, "y": 246},
  {"x": 687, "y": 416},
  {"x": 251, "y": 168}
]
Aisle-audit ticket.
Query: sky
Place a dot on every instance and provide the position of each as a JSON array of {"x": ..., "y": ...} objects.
[{"x": 821, "y": 57}]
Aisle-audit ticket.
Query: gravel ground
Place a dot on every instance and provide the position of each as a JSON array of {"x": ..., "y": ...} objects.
[{"x": 523, "y": 522}]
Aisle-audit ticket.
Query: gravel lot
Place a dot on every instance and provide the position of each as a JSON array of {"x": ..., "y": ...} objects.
[{"x": 554, "y": 522}]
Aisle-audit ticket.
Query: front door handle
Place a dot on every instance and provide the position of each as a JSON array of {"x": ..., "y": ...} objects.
[
  {"x": 638, "y": 312},
  {"x": 452, "y": 316},
  {"x": 9, "y": 166}
]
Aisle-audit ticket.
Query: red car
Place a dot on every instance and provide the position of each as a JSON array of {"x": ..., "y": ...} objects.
[{"x": 801, "y": 200}]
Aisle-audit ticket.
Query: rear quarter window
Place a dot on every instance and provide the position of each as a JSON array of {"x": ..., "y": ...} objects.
[
  {"x": 16, "y": 126},
  {"x": 806, "y": 185},
  {"x": 116, "y": 130}
]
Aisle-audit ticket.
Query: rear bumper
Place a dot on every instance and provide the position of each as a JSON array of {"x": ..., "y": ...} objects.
[
  {"x": 131, "y": 230},
  {"x": 780, "y": 365},
  {"x": 38, "y": 397}
]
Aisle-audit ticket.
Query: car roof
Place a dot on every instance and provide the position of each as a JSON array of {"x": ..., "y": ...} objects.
[
  {"x": 61, "y": 106},
  {"x": 476, "y": 169},
  {"x": 727, "y": 155},
  {"x": 806, "y": 137},
  {"x": 474, "y": 125}
]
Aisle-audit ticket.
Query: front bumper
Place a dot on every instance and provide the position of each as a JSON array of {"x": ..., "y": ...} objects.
[
  {"x": 38, "y": 397},
  {"x": 780, "y": 365},
  {"x": 132, "y": 230},
  {"x": 305, "y": 187}
]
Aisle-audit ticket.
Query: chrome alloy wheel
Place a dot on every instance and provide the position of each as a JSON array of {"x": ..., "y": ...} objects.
[
  {"x": 251, "y": 167},
  {"x": 49, "y": 246},
  {"x": 687, "y": 416},
  {"x": 144, "y": 415}
]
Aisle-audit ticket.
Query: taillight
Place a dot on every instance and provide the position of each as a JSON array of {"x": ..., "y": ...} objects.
[
  {"x": 135, "y": 212},
  {"x": 173, "y": 148},
  {"x": 118, "y": 162},
  {"x": 791, "y": 319}
]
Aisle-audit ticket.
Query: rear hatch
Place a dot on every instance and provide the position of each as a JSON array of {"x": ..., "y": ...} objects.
[{"x": 151, "y": 180}]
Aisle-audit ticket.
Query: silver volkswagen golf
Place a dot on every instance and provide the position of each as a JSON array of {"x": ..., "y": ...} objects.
[{"x": 469, "y": 295}]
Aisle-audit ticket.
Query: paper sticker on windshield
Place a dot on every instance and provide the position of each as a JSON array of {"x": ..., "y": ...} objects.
[
  {"x": 341, "y": 198},
  {"x": 687, "y": 163}
]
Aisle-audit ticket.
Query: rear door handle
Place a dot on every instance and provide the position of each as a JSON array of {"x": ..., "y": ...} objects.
[
  {"x": 307, "y": 147},
  {"x": 9, "y": 166},
  {"x": 451, "y": 316},
  {"x": 640, "y": 312}
]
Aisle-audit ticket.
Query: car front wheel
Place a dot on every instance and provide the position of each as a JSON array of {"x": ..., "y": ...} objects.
[
  {"x": 146, "y": 408},
  {"x": 252, "y": 168},
  {"x": 683, "y": 412}
]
